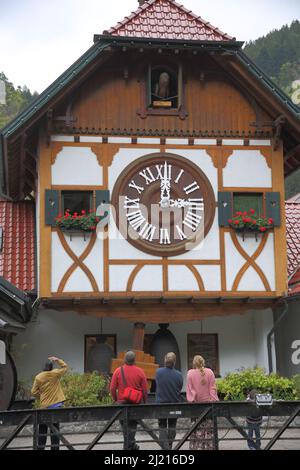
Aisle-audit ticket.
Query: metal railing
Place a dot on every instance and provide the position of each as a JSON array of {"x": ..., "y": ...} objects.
[{"x": 112, "y": 427}]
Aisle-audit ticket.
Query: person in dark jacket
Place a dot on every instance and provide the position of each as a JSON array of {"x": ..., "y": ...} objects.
[
  {"x": 254, "y": 423},
  {"x": 169, "y": 382}
]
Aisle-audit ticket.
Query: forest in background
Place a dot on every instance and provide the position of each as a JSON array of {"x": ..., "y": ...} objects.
[{"x": 277, "y": 54}]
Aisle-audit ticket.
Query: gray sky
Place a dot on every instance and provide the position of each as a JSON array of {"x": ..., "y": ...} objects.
[{"x": 40, "y": 39}]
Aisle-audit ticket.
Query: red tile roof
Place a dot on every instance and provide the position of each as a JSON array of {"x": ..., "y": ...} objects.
[
  {"x": 166, "y": 19},
  {"x": 292, "y": 211},
  {"x": 18, "y": 254}
]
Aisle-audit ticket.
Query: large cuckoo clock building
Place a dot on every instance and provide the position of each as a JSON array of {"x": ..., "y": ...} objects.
[{"x": 146, "y": 159}]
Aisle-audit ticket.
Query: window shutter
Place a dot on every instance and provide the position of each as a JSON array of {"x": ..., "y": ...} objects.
[
  {"x": 273, "y": 207},
  {"x": 51, "y": 206},
  {"x": 224, "y": 208}
]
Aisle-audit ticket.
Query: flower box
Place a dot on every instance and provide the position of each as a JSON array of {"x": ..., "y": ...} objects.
[
  {"x": 82, "y": 223},
  {"x": 250, "y": 222}
]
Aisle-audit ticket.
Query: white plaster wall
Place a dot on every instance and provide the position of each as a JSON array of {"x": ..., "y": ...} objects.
[
  {"x": 182, "y": 279},
  {"x": 150, "y": 278},
  {"x": 242, "y": 339},
  {"x": 247, "y": 169},
  {"x": 61, "y": 261},
  {"x": 211, "y": 277},
  {"x": 209, "y": 248},
  {"x": 119, "y": 276},
  {"x": 77, "y": 166},
  {"x": 263, "y": 323},
  {"x": 234, "y": 262},
  {"x": 266, "y": 261}
]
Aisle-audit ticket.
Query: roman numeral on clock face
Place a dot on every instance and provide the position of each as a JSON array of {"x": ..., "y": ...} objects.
[
  {"x": 136, "y": 219},
  {"x": 182, "y": 235},
  {"x": 179, "y": 176},
  {"x": 164, "y": 171},
  {"x": 191, "y": 188},
  {"x": 192, "y": 220},
  {"x": 164, "y": 237},
  {"x": 147, "y": 175},
  {"x": 196, "y": 204},
  {"x": 131, "y": 203},
  {"x": 133, "y": 185},
  {"x": 147, "y": 232}
]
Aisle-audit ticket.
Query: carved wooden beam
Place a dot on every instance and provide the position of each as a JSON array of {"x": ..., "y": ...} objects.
[{"x": 278, "y": 126}]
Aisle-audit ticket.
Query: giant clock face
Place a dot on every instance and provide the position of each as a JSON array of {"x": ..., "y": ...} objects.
[{"x": 164, "y": 204}]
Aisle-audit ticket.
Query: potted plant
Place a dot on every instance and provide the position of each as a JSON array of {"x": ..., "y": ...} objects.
[
  {"x": 72, "y": 223},
  {"x": 249, "y": 221}
]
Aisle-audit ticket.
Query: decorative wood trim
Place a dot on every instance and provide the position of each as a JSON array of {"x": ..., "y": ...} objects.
[
  {"x": 197, "y": 277},
  {"x": 223, "y": 259},
  {"x": 250, "y": 261},
  {"x": 170, "y": 262},
  {"x": 106, "y": 259},
  {"x": 226, "y": 153},
  {"x": 214, "y": 155},
  {"x": 218, "y": 296},
  {"x": 165, "y": 275},
  {"x": 266, "y": 152},
  {"x": 78, "y": 262},
  {"x": 45, "y": 230},
  {"x": 132, "y": 277},
  {"x": 151, "y": 313},
  {"x": 96, "y": 149},
  {"x": 280, "y": 246},
  {"x": 56, "y": 148}
]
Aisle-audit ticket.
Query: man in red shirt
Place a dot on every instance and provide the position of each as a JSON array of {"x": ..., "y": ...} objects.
[{"x": 134, "y": 377}]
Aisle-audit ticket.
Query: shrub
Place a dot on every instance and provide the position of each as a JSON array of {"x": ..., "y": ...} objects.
[
  {"x": 236, "y": 385},
  {"x": 85, "y": 390}
]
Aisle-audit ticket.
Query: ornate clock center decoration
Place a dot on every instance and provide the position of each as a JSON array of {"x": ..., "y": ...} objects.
[{"x": 164, "y": 204}]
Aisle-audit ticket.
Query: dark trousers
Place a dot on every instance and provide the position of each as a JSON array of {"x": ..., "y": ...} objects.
[
  {"x": 167, "y": 432},
  {"x": 254, "y": 428},
  {"x": 129, "y": 439},
  {"x": 43, "y": 429}
]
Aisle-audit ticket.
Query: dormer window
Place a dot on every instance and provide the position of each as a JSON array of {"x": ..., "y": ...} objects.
[
  {"x": 162, "y": 90},
  {"x": 163, "y": 87}
]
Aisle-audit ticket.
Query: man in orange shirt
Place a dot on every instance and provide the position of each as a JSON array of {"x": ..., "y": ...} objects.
[
  {"x": 48, "y": 389},
  {"x": 134, "y": 377}
]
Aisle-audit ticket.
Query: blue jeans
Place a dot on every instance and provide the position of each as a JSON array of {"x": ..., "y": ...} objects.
[{"x": 254, "y": 428}]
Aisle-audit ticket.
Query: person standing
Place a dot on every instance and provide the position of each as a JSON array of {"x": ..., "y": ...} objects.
[
  {"x": 169, "y": 382},
  {"x": 134, "y": 377},
  {"x": 48, "y": 390},
  {"x": 201, "y": 387},
  {"x": 254, "y": 423}
]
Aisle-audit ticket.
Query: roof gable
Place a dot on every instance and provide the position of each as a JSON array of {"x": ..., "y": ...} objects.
[{"x": 166, "y": 19}]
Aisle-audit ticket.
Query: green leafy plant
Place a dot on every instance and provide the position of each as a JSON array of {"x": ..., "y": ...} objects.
[
  {"x": 251, "y": 221},
  {"x": 236, "y": 385},
  {"x": 83, "y": 221},
  {"x": 80, "y": 390},
  {"x": 85, "y": 390}
]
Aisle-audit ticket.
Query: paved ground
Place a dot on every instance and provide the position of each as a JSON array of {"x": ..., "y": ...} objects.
[{"x": 229, "y": 440}]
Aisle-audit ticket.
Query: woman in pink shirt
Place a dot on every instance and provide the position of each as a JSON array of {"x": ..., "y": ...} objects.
[{"x": 201, "y": 387}]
